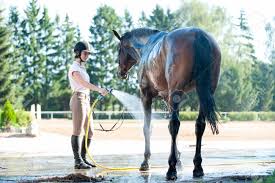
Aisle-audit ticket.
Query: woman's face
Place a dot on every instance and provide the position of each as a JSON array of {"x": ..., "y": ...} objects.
[{"x": 84, "y": 55}]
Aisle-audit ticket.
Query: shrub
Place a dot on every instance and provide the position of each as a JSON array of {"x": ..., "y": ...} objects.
[
  {"x": 188, "y": 116},
  {"x": 242, "y": 116},
  {"x": 1, "y": 121},
  {"x": 23, "y": 118},
  {"x": 8, "y": 116},
  {"x": 265, "y": 179},
  {"x": 124, "y": 115},
  {"x": 266, "y": 116}
]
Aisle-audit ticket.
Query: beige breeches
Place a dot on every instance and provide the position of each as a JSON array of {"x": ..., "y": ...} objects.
[{"x": 80, "y": 106}]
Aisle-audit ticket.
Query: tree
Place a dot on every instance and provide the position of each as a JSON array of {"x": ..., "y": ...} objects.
[
  {"x": 235, "y": 93},
  {"x": 5, "y": 75},
  {"x": 245, "y": 47},
  {"x": 194, "y": 13},
  {"x": 46, "y": 43},
  {"x": 102, "y": 66},
  {"x": 33, "y": 59},
  {"x": 263, "y": 83},
  {"x": 161, "y": 20},
  {"x": 270, "y": 53},
  {"x": 18, "y": 77},
  {"x": 66, "y": 36}
]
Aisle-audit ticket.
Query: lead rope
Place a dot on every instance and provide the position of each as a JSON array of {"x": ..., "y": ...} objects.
[{"x": 91, "y": 157}]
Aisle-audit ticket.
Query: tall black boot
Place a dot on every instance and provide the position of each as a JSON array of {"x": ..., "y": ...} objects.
[
  {"x": 78, "y": 162},
  {"x": 84, "y": 152}
]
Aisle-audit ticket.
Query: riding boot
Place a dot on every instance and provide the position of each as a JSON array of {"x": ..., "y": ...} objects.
[
  {"x": 84, "y": 152},
  {"x": 78, "y": 162}
]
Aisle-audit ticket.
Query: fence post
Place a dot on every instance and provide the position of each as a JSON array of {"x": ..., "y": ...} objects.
[
  {"x": 33, "y": 112},
  {"x": 38, "y": 112},
  {"x": 32, "y": 129}
]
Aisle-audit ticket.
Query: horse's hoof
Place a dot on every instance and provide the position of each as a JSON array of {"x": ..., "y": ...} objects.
[
  {"x": 179, "y": 164},
  {"x": 171, "y": 174},
  {"x": 144, "y": 166},
  {"x": 198, "y": 172}
]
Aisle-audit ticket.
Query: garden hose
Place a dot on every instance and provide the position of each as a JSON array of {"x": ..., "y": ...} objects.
[{"x": 87, "y": 149}]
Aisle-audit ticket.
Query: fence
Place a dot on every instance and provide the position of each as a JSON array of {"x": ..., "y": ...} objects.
[
  {"x": 110, "y": 114},
  {"x": 225, "y": 116}
]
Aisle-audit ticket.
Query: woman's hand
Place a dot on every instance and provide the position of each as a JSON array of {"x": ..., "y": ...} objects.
[{"x": 103, "y": 91}]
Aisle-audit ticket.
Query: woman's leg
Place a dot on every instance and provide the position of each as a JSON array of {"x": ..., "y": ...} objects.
[
  {"x": 78, "y": 108},
  {"x": 90, "y": 134}
]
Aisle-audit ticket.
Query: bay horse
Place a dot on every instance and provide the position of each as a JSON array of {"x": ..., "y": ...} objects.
[{"x": 170, "y": 65}]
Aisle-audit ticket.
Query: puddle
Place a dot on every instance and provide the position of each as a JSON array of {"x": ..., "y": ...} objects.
[{"x": 218, "y": 165}]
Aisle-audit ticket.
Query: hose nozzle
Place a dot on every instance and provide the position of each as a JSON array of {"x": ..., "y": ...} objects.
[
  {"x": 109, "y": 90},
  {"x": 101, "y": 97}
]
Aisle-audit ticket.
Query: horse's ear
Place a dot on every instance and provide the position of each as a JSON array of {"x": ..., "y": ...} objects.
[{"x": 117, "y": 35}]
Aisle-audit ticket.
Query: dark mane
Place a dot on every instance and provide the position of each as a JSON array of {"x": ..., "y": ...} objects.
[{"x": 140, "y": 32}]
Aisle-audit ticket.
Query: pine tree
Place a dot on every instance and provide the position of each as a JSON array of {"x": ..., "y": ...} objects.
[
  {"x": 5, "y": 74},
  {"x": 245, "y": 48},
  {"x": 33, "y": 59},
  {"x": 270, "y": 53},
  {"x": 142, "y": 21},
  {"x": 264, "y": 84},
  {"x": 161, "y": 20},
  {"x": 48, "y": 53},
  {"x": 102, "y": 65},
  {"x": 235, "y": 92},
  {"x": 18, "y": 76},
  {"x": 67, "y": 35}
]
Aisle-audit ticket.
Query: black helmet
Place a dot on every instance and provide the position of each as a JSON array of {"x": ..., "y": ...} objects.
[{"x": 81, "y": 46}]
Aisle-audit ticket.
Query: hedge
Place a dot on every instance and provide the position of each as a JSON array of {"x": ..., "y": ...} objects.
[
  {"x": 23, "y": 118},
  {"x": 266, "y": 116},
  {"x": 232, "y": 116}
]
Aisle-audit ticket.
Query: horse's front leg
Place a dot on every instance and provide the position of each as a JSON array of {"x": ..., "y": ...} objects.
[
  {"x": 147, "y": 103},
  {"x": 199, "y": 130},
  {"x": 174, "y": 125}
]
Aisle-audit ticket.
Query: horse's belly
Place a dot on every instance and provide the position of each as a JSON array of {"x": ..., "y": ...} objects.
[{"x": 158, "y": 81}]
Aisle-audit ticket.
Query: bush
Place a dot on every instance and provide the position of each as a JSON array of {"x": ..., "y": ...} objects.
[
  {"x": 266, "y": 116},
  {"x": 188, "y": 116},
  {"x": 265, "y": 179},
  {"x": 23, "y": 118},
  {"x": 242, "y": 116},
  {"x": 1, "y": 112},
  {"x": 8, "y": 116},
  {"x": 124, "y": 115}
]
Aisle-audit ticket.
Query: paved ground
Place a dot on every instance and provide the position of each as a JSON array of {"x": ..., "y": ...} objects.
[{"x": 241, "y": 149}]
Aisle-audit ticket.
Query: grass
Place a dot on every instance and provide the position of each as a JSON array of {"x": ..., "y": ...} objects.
[{"x": 267, "y": 179}]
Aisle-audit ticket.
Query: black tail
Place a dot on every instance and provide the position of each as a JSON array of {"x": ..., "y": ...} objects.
[{"x": 202, "y": 74}]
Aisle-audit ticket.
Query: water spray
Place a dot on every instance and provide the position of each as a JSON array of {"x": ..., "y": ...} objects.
[{"x": 100, "y": 98}]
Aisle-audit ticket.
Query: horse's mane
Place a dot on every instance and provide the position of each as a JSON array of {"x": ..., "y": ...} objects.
[{"x": 140, "y": 32}]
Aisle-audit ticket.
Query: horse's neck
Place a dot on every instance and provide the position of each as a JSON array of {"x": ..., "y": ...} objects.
[{"x": 140, "y": 41}]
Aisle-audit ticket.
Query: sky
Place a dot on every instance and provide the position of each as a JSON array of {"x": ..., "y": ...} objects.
[{"x": 82, "y": 11}]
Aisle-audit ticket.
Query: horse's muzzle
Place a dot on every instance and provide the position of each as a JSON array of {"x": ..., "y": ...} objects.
[{"x": 122, "y": 75}]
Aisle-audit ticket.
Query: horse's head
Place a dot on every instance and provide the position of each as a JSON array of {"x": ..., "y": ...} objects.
[{"x": 128, "y": 54}]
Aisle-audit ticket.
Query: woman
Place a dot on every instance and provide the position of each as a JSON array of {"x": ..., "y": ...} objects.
[{"x": 80, "y": 103}]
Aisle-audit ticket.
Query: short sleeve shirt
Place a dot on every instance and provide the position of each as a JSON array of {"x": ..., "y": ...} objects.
[{"x": 77, "y": 87}]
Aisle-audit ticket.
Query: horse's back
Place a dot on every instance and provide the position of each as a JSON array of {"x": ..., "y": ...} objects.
[{"x": 180, "y": 57}]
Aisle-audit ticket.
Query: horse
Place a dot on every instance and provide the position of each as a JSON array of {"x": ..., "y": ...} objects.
[{"x": 172, "y": 64}]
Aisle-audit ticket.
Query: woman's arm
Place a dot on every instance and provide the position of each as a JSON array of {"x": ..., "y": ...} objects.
[{"x": 78, "y": 78}]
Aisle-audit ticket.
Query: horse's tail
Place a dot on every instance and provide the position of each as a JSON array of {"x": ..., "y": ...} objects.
[{"x": 202, "y": 74}]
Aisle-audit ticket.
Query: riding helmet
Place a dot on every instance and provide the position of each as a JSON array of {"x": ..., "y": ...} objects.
[{"x": 81, "y": 46}]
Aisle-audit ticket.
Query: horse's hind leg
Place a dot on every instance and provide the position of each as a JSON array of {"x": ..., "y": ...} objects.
[
  {"x": 199, "y": 130},
  {"x": 174, "y": 125},
  {"x": 147, "y": 103}
]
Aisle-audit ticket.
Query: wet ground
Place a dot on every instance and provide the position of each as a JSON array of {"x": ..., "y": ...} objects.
[{"x": 49, "y": 155}]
